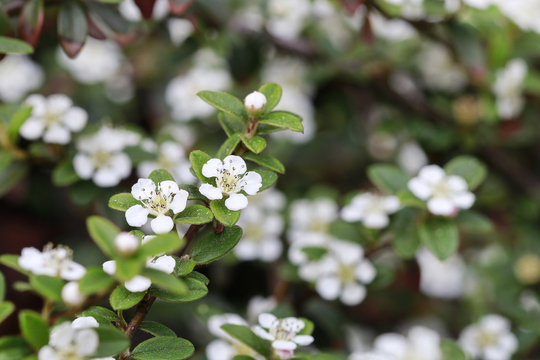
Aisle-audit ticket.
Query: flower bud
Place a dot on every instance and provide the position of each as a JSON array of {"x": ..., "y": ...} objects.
[
  {"x": 71, "y": 294},
  {"x": 255, "y": 102},
  {"x": 126, "y": 243}
]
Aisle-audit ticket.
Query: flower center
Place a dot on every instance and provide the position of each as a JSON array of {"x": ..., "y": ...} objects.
[
  {"x": 101, "y": 158},
  {"x": 486, "y": 339},
  {"x": 253, "y": 232},
  {"x": 228, "y": 183},
  {"x": 442, "y": 190},
  {"x": 165, "y": 162},
  {"x": 318, "y": 226},
  {"x": 346, "y": 274},
  {"x": 57, "y": 259},
  {"x": 68, "y": 354},
  {"x": 51, "y": 118},
  {"x": 283, "y": 330},
  {"x": 158, "y": 203}
]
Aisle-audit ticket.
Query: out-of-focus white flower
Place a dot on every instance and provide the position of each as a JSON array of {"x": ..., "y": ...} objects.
[
  {"x": 439, "y": 71},
  {"x": 529, "y": 302},
  {"x": 507, "y": 88},
  {"x": 441, "y": 279},
  {"x": 171, "y": 157},
  {"x": 164, "y": 263},
  {"x": 72, "y": 341},
  {"x": 309, "y": 226},
  {"x": 179, "y": 30},
  {"x": 369, "y": 356},
  {"x": 126, "y": 243},
  {"x": 158, "y": 200},
  {"x": 411, "y": 158},
  {"x": 261, "y": 238},
  {"x": 208, "y": 73},
  {"x": 283, "y": 333},
  {"x": 100, "y": 156},
  {"x": 445, "y": 194},
  {"x": 255, "y": 102},
  {"x": 420, "y": 344},
  {"x": 53, "y": 118},
  {"x": 333, "y": 23},
  {"x": 119, "y": 88},
  {"x": 51, "y": 262},
  {"x": 227, "y": 347},
  {"x": 18, "y": 76},
  {"x": 130, "y": 11},
  {"x": 286, "y": 19},
  {"x": 371, "y": 209},
  {"x": 394, "y": 30},
  {"x": 341, "y": 273},
  {"x": 489, "y": 339},
  {"x": 479, "y": 4},
  {"x": 97, "y": 62},
  {"x": 231, "y": 179},
  {"x": 71, "y": 294},
  {"x": 250, "y": 15},
  {"x": 382, "y": 145},
  {"x": 258, "y": 305},
  {"x": 524, "y": 13},
  {"x": 412, "y": 9}
]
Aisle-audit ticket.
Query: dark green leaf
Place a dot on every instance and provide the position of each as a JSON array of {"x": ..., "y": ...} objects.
[
  {"x": 110, "y": 16},
  {"x": 95, "y": 280},
  {"x": 183, "y": 266},
  {"x": 473, "y": 222},
  {"x": 198, "y": 159},
  {"x": 18, "y": 119},
  {"x": 156, "y": 329},
  {"x": 121, "y": 298},
  {"x": 225, "y": 102},
  {"x": 101, "y": 312},
  {"x": 46, "y": 286},
  {"x": 255, "y": 144},
  {"x": 163, "y": 348},
  {"x": 452, "y": 351},
  {"x": 2, "y": 287},
  {"x": 228, "y": 146},
  {"x": 248, "y": 337},
  {"x": 440, "y": 236},
  {"x": 6, "y": 308},
  {"x": 269, "y": 178},
  {"x": 103, "y": 232},
  {"x": 111, "y": 341},
  {"x": 162, "y": 243},
  {"x": 122, "y": 201},
  {"x": 160, "y": 175},
  {"x": 31, "y": 21},
  {"x": 284, "y": 120},
  {"x": 230, "y": 124},
  {"x": 166, "y": 281},
  {"x": 195, "y": 214},
  {"x": 72, "y": 28},
  {"x": 223, "y": 214},
  {"x": 406, "y": 239},
  {"x": 64, "y": 174},
  {"x": 267, "y": 161},
  {"x": 193, "y": 192},
  {"x": 388, "y": 178},
  {"x": 214, "y": 246},
  {"x": 272, "y": 92},
  {"x": 128, "y": 267},
  {"x": 308, "y": 327},
  {"x": 12, "y": 261},
  {"x": 34, "y": 329},
  {"x": 198, "y": 276},
  {"x": 13, "y": 348},
  {"x": 196, "y": 290},
  {"x": 469, "y": 168},
  {"x": 11, "y": 176}
]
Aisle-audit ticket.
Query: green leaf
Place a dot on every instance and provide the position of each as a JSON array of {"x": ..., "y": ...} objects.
[
  {"x": 195, "y": 214},
  {"x": 103, "y": 232},
  {"x": 122, "y": 201},
  {"x": 46, "y": 286},
  {"x": 13, "y": 348},
  {"x": 214, "y": 246},
  {"x": 467, "y": 44},
  {"x": 12, "y": 261},
  {"x": 406, "y": 239},
  {"x": 223, "y": 214},
  {"x": 64, "y": 174},
  {"x": 196, "y": 290},
  {"x": 109, "y": 16},
  {"x": 272, "y": 92},
  {"x": 122, "y": 299},
  {"x": 163, "y": 348},
  {"x": 183, "y": 266},
  {"x": 72, "y": 28},
  {"x": 388, "y": 178},
  {"x": 162, "y": 243},
  {"x": 99, "y": 312},
  {"x": 34, "y": 329},
  {"x": 128, "y": 267},
  {"x": 469, "y": 168},
  {"x": 160, "y": 175},
  {"x": 440, "y": 236},
  {"x": 269, "y": 178},
  {"x": 11, "y": 176},
  {"x": 225, "y": 102},
  {"x": 14, "y": 46},
  {"x": 228, "y": 146},
  {"x": 248, "y": 337},
  {"x": 156, "y": 329},
  {"x": 2, "y": 287},
  {"x": 255, "y": 144},
  {"x": 407, "y": 198},
  {"x": 267, "y": 161},
  {"x": 198, "y": 159},
  {"x": 6, "y": 158},
  {"x": 17, "y": 120},
  {"x": 111, "y": 342},
  {"x": 95, "y": 280},
  {"x": 284, "y": 120},
  {"x": 230, "y": 124},
  {"x": 308, "y": 327},
  {"x": 473, "y": 222},
  {"x": 452, "y": 351},
  {"x": 202, "y": 278},
  {"x": 243, "y": 357},
  {"x": 193, "y": 192},
  {"x": 166, "y": 281},
  {"x": 6, "y": 308}
]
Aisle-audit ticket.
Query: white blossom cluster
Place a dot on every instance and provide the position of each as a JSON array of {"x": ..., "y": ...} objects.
[
  {"x": 507, "y": 88},
  {"x": 18, "y": 76},
  {"x": 170, "y": 156},
  {"x": 52, "y": 261}
]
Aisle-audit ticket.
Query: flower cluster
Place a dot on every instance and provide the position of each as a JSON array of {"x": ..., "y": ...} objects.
[{"x": 56, "y": 262}]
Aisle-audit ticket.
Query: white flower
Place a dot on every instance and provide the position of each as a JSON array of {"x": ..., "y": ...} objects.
[
  {"x": 371, "y": 209},
  {"x": 411, "y": 9},
  {"x": 261, "y": 239},
  {"x": 72, "y": 341},
  {"x": 158, "y": 200},
  {"x": 126, "y": 243},
  {"x": 130, "y": 11},
  {"x": 283, "y": 333},
  {"x": 286, "y": 18},
  {"x": 258, "y": 305},
  {"x": 97, "y": 62},
  {"x": 445, "y": 194},
  {"x": 489, "y": 339},
  {"x": 441, "y": 279},
  {"x": 71, "y": 294},
  {"x": 439, "y": 70},
  {"x": 411, "y": 158},
  {"x": 53, "y": 118},
  {"x": 51, "y": 262},
  {"x": 255, "y": 102},
  {"x": 100, "y": 156},
  {"x": 208, "y": 73},
  {"x": 394, "y": 30},
  {"x": 507, "y": 88},
  {"x": 179, "y": 30},
  {"x": 524, "y": 13},
  {"x": 421, "y": 344},
  {"x": 170, "y": 157},
  {"x": 341, "y": 273},
  {"x": 18, "y": 76},
  {"x": 138, "y": 283},
  {"x": 231, "y": 179}
]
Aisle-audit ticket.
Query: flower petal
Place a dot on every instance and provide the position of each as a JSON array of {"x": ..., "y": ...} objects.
[
  {"x": 252, "y": 182},
  {"x": 440, "y": 206},
  {"x": 73, "y": 272},
  {"x": 353, "y": 294},
  {"x": 83, "y": 165},
  {"x": 432, "y": 174},
  {"x": 267, "y": 320},
  {"x": 210, "y": 191},
  {"x": 283, "y": 345},
  {"x": 84, "y": 322},
  {"x": 236, "y": 202},
  {"x": 58, "y": 103},
  {"x": 75, "y": 119},
  {"x": 464, "y": 200},
  {"x": 109, "y": 267},
  {"x": 212, "y": 167},
  {"x": 328, "y": 287},
  {"x": 168, "y": 187},
  {"x": 32, "y": 128},
  {"x": 303, "y": 340},
  {"x": 163, "y": 263},
  {"x": 235, "y": 165},
  {"x": 162, "y": 224},
  {"x": 136, "y": 215},
  {"x": 86, "y": 342},
  {"x": 419, "y": 188},
  {"x": 259, "y": 331},
  {"x": 365, "y": 272},
  {"x": 179, "y": 202},
  {"x": 143, "y": 189},
  {"x": 138, "y": 284},
  {"x": 57, "y": 134}
]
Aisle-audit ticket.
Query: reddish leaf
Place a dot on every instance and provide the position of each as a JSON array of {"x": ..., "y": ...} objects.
[
  {"x": 179, "y": 7},
  {"x": 94, "y": 30},
  {"x": 31, "y": 21},
  {"x": 352, "y": 5},
  {"x": 72, "y": 28},
  {"x": 146, "y": 7}
]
